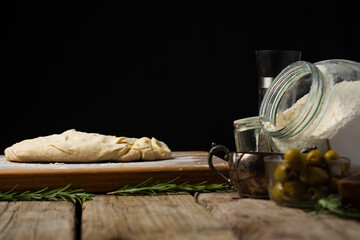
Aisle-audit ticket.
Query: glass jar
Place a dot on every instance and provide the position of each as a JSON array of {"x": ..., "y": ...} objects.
[
  {"x": 249, "y": 137},
  {"x": 303, "y": 187},
  {"x": 308, "y": 104}
]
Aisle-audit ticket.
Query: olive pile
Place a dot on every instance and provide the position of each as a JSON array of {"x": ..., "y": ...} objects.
[{"x": 302, "y": 178}]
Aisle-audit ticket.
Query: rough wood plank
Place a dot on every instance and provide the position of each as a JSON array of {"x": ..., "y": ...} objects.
[
  {"x": 37, "y": 220},
  {"x": 149, "y": 217},
  {"x": 263, "y": 219}
]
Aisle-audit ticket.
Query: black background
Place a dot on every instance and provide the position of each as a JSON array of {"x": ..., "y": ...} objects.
[{"x": 181, "y": 73}]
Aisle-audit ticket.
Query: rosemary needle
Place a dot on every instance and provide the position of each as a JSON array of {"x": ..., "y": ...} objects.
[
  {"x": 80, "y": 196},
  {"x": 170, "y": 186},
  {"x": 63, "y": 193}
]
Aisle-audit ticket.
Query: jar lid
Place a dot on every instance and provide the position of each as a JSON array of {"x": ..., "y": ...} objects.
[{"x": 247, "y": 123}]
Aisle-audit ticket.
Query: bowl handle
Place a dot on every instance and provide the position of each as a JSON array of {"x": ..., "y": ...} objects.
[{"x": 218, "y": 148}]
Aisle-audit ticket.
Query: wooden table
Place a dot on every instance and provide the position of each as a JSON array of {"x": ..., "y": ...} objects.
[{"x": 181, "y": 216}]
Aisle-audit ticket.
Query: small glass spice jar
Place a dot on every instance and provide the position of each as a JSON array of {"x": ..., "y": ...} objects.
[{"x": 249, "y": 137}]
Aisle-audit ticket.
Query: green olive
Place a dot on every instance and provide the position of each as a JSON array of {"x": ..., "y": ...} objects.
[
  {"x": 331, "y": 155},
  {"x": 314, "y": 176},
  {"x": 335, "y": 166},
  {"x": 314, "y": 157},
  {"x": 295, "y": 188},
  {"x": 278, "y": 192},
  {"x": 294, "y": 158},
  {"x": 282, "y": 172},
  {"x": 315, "y": 193}
]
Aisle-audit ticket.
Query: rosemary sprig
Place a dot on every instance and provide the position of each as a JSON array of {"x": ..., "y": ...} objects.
[
  {"x": 336, "y": 205},
  {"x": 170, "y": 186},
  {"x": 63, "y": 193},
  {"x": 81, "y": 196}
]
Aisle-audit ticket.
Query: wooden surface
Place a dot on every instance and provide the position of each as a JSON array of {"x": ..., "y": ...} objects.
[
  {"x": 104, "y": 177},
  {"x": 262, "y": 219},
  {"x": 207, "y": 216},
  {"x": 149, "y": 217},
  {"x": 37, "y": 220}
]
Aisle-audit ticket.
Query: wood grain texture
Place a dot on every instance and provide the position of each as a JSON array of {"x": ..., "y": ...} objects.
[
  {"x": 37, "y": 220},
  {"x": 149, "y": 217},
  {"x": 190, "y": 166},
  {"x": 262, "y": 219}
]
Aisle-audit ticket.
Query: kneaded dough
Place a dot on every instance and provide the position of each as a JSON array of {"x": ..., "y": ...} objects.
[{"x": 75, "y": 146}]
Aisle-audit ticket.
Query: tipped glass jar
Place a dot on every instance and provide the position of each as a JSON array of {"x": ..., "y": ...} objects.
[{"x": 308, "y": 104}]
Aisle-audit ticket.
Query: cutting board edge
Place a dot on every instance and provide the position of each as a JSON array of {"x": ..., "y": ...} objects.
[
  {"x": 106, "y": 170},
  {"x": 103, "y": 181}
]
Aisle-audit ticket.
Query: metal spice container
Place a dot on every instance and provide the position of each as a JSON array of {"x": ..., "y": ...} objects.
[{"x": 246, "y": 171}]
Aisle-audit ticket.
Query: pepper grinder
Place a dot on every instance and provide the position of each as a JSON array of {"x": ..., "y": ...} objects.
[{"x": 269, "y": 64}]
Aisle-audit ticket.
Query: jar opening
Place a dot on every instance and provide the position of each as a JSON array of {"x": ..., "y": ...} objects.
[{"x": 292, "y": 100}]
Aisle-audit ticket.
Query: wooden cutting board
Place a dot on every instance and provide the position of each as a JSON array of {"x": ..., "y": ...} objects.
[{"x": 190, "y": 166}]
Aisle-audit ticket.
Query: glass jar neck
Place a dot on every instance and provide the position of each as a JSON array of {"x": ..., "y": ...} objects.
[{"x": 300, "y": 91}]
